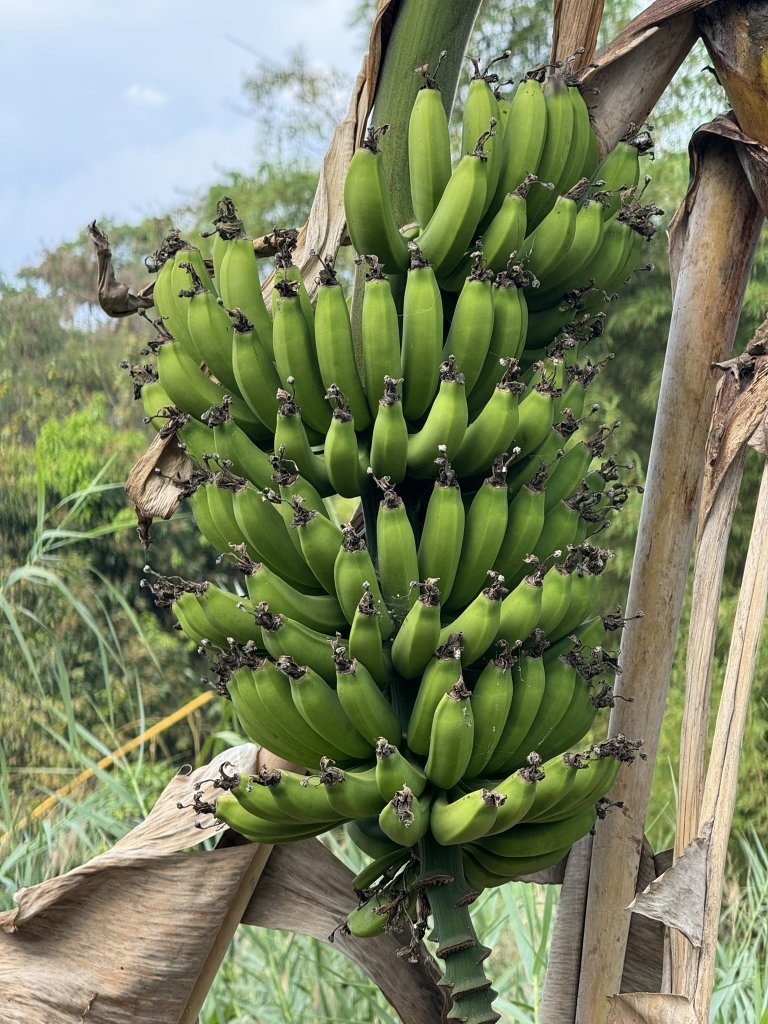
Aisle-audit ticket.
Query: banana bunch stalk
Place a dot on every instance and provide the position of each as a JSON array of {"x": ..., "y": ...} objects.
[{"x": 432, "y": 665}]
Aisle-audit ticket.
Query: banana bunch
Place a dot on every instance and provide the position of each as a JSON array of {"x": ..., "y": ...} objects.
[{"x": 431, "y": 665}]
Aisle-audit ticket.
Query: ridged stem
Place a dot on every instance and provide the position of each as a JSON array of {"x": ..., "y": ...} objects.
[
  {"x": 441, "y": 878},
  {"x": 422, "y": 30}
]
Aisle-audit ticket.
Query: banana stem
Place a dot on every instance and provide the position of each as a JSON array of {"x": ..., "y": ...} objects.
[
  {"x": 422, "y": 30},
  {"x": 441, "y": 879}
]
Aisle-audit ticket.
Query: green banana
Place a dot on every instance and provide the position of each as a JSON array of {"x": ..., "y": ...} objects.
[
  {"x": 504, "y": 236},
  {"x": 484, "y": 529},
  {"x": 233, "y": 445},
  {"x": 619, "y": 169},
  {"x": 440, "y": 675},
  {"x": 303, "y": 798},
  {"x": 419, "y": 633},
  {"x": 429, "y": 146},
  {"x": 179, "y": 281},
  {"x": 320, "y": 707},
  {"x": 510, "y": 326},
  {"x": 291, "y": 436},
  {"x": 555, "y": 594},
  {"x": 422, "y": 336},
  {"x": 444, "y": 426},
  {"x": 367, "y": 836},
  {"x": 226, "y": 227},
  {"x": 321, "y": 612},
  {"x": 491, "y": 701},
  {"x": 262, "y": 699},
  {"x": 443, "y": 529},
  {"x": 368, "y": 208},
  {"x": 352, "y": 569},
  {"x": 566, "y": 521},
  {"x": 479, "y": 622},
  {"x": 547, "y": 246},
  {"x": 228, "y": 614},
  {"x": 333, "y": 341},
  {"x": 520, "y": 790},
  {"x": 469, "y": 335},
  {"x": 465, "y": 819},
  {"x": 292, "y": 485},
  {"x": 389, "y": 438},
  {"x": 365, "y": 640},
  {"x": 451, "y": 738},
  {"x": 528, "y": 682},
  {"x": 268, "y": 540},
  {"x": 452, "y": 227},
  {"x": 254, "y": 372},
  {"x": 585, "y": 590},
  {"x": 524, "y": 138},
  {"x": 287, "y": 273},
  {"x": 380, "y": 333},
  {"x": 536, "y": 839},
  {"x": 557, "y": 145},
  {"x": 398, "y": 562},
  {"x": 320, "y": 541},
  {"x": 525, "y": 521},
  {"x": 405, "y": 819},
  {"x": 393, "y": 771},
  {"x": 296, "y": 358},
  {"x": 390, "y": 906},
  {"x": 493, "y": 430},
  {"x": 362, "y": 701},
  {"x": 341, "y": 450},
  {"x": 192, "y": 391},
  {"x": 253, "y": 793},
  {"x": 481, "y": 108},
  {"x": 240, "y": 287},
  {"x": 576, "y": 165},
  {"x": 284, "y": 636},
  {"x": 479, "y": 877},
  {"x": 372, "y": 872},
  {"x": 585, "y": 245},
  {"x": 354, "y": 794},
  {"x": 536, "y": 415},
  {"x": 209, "y": 328},
  {"x": 258, "y": 830},
  {"x": 521, "y": 608},
  {"x": 559, "y": 686},
  {"x": 569, "y": 471},
  {"x": 592, "y": 782}
]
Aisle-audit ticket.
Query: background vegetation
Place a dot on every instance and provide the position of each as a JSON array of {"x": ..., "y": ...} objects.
[{"x": 86, "y": 661}]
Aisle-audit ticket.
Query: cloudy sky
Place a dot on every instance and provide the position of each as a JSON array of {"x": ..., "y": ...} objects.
[{"x": 121, "y": 109}]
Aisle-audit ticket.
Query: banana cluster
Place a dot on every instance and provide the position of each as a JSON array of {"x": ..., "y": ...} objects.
[{"x": 430, "y": 665}]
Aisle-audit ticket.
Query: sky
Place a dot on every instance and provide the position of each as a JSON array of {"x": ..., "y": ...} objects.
[{"x": 122, "y": 108}]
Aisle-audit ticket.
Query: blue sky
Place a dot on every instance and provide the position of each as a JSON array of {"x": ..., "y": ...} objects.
[{"x": 121, "y": 109}]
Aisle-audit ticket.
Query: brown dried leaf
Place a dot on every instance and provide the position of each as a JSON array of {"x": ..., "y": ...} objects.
[
  {"x": 575, "y": 25},
  {"x": 94, "y": 944},
  {"x": 644, "y": 955},
  {"x": 305, "y": 889},
  {"x": 740, "y": 407},
  {"x": 735, "y": 36},
  {"x": 635, "y": 68},
  {"x": 165, "y": 830},
  {"x": 151, "y": 484},
  {"x": 754, "y": 166},
  {"x": 650, "y": 1008},
  {"x": 677, "y": 897},
  {"x": 115, "y": 299}
]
